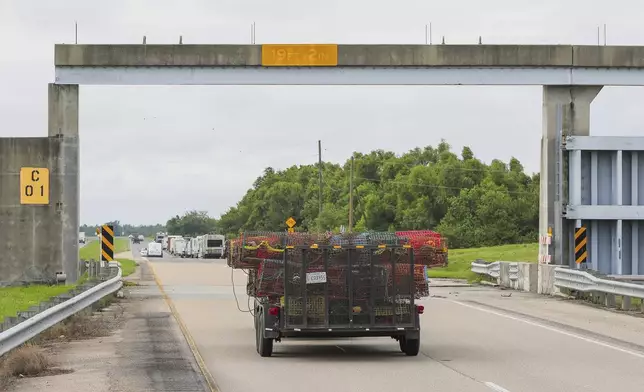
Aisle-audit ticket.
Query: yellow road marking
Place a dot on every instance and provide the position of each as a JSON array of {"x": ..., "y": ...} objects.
[{"x": 191, "y": 342}]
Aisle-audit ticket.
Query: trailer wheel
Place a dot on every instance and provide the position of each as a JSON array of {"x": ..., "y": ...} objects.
[
  {"x": 264, "y": 345},
  {"x": 411, "y": 347}
]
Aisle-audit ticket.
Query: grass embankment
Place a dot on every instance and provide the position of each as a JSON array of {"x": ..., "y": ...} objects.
[
  {"x": 16, "y": 299},
  {"x": 460, "y": 260},
  {"x": 90, "y": 251},
  {"x": 127, "y": 266}
]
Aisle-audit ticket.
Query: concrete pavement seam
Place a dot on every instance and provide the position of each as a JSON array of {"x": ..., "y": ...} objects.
[
  {"x": 550, "y": 328},
  {"x": 212, "y": 385}
]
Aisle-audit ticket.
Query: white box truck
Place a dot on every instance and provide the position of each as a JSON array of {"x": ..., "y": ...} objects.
[
  {"x": 169, "y": 242},
  {"x": 81, "y": 237},
  {"x": 178, "y": 247}
]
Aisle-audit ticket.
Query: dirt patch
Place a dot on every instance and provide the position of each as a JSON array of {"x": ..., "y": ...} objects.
[
  {"x": 33, "y": 358},
  {"x": 27, "y": 361},
  {"x": 85, "y": 324}
]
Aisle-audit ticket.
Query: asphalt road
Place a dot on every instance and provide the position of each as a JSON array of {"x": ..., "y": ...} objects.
[{"x": 473, "y": 339}]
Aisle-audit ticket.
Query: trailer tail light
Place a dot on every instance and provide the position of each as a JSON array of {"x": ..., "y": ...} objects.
[
  {"x": 420, "y": 308},
  {"x": 274, "y": 311}
]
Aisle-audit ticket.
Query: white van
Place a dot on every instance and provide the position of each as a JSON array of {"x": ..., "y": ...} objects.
[{"x": 155, "y": 249}]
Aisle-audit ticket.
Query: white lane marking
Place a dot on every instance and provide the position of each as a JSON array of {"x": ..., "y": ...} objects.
[
  {"x": 341, "y": 349},
  {"x": 495, "y": 387},
  {"x": 552, "y": 329}
]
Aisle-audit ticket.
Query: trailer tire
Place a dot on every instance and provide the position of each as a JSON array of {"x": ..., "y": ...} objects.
[
  {"x": 410, "y": 347},
  {"x": 264, "y": 345}
]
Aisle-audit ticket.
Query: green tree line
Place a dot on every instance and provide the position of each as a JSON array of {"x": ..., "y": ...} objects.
[
  {"x": 124, "y": 229},
  {"x": 470, "y": 202},
  {"x": 192, "y": 223}
]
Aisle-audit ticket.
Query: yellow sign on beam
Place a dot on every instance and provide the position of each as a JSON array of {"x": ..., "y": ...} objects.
[
  {"x": 290, "y": 222},
  {"x": 291, "y": 230},
  {"x": 34, "y": 185},
  {"x": 300, "y": 55}
]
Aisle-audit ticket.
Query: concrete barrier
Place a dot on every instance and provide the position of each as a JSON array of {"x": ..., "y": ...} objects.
[{"x": 530, "y": 277}]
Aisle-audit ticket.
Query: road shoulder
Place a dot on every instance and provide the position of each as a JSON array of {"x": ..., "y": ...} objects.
[{"x": 147, "y": 352}]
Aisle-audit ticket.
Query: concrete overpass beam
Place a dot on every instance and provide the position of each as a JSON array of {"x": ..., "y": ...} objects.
[
  {"x": 63, "y": 124},
  {"x": 566, "y": 111}
]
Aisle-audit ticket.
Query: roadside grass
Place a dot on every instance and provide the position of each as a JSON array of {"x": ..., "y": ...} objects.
[
  {"x": 32, "y": 359},
  {"x": 459, "y": 260},
  {"x": 16, "y": 299},
  {"x": 90, "y": 251},
  {"x": 127, "y": 266}
]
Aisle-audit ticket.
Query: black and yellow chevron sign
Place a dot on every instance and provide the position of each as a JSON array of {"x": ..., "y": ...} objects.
[
  {"x": 107, "y": 245},
  {"x": 581, "y": 253}
]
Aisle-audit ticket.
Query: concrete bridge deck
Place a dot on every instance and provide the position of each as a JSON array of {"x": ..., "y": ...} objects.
[{"x": 532, "y": 56}]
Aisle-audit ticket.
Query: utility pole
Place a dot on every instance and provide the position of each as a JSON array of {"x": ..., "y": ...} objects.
[
  {"x": 320, "y": 173},
  {"x": 351, "y": 197}
]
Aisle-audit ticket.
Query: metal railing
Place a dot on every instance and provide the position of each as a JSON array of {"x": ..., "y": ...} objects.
[
  {"x": 484, "y": 268},
  {"x": 508, "y": 273},
  {"x": 585, "y": 282},
  {"x": 31, "y": 327}
]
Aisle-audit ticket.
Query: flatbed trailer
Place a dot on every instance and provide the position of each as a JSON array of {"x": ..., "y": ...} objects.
[{"x": 349, "y": 291}]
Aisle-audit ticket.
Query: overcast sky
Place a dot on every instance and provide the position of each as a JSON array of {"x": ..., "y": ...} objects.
[{"x": 172, "y": 149}]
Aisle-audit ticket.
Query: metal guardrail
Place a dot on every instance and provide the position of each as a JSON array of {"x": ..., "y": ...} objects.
[
  {"x": 585, "y": 282},
  {"x": 491, "y": 269},
  {"x": 28, "y": 329}
]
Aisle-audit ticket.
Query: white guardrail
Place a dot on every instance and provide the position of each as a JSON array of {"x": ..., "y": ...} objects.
[
  {"x": 28, "y": 329},
  {"x": 563, "y": 278},
  {"x": 491, "y": 269},
  {"x": 585, "y": 282}
]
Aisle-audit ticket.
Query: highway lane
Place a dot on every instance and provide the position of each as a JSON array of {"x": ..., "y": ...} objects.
[{"x": 473, "y": 339}]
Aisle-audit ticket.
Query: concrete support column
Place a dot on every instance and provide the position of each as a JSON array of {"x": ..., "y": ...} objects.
[
  {"x": 566, "y": 111},
  {"x": 63, "y": 125}
]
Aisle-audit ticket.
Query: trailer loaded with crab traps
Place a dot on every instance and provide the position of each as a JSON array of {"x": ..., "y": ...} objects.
[{"x": 325, "y": 285}]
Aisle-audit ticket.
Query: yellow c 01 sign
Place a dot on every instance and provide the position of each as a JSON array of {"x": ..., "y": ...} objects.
[
  {"x": 34, "y": 185},
  {"x": 300, "y": 55}
]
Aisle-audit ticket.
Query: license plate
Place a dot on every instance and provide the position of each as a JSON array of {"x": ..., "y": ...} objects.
[{"x": 315, "y": 277}]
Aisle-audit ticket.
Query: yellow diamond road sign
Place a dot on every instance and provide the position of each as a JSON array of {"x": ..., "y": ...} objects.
[{"x": 290, "y": 222}]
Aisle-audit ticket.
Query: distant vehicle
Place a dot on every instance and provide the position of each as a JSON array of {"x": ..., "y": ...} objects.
[
  {"x": 167, "y": 244},
  {"x": 195, "y": 250},
  {"x": 159, "y": 237},
  {"x": 188, "y": 250},
  {"x": 213, "y": 246},
  {"x": 135, "y": 239},
  {"x": 81, "y": 237},
  {"x": 155, "y": 249},
  {"x": 144, "y": 252},
  {"x": 178, "y": 247}
]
